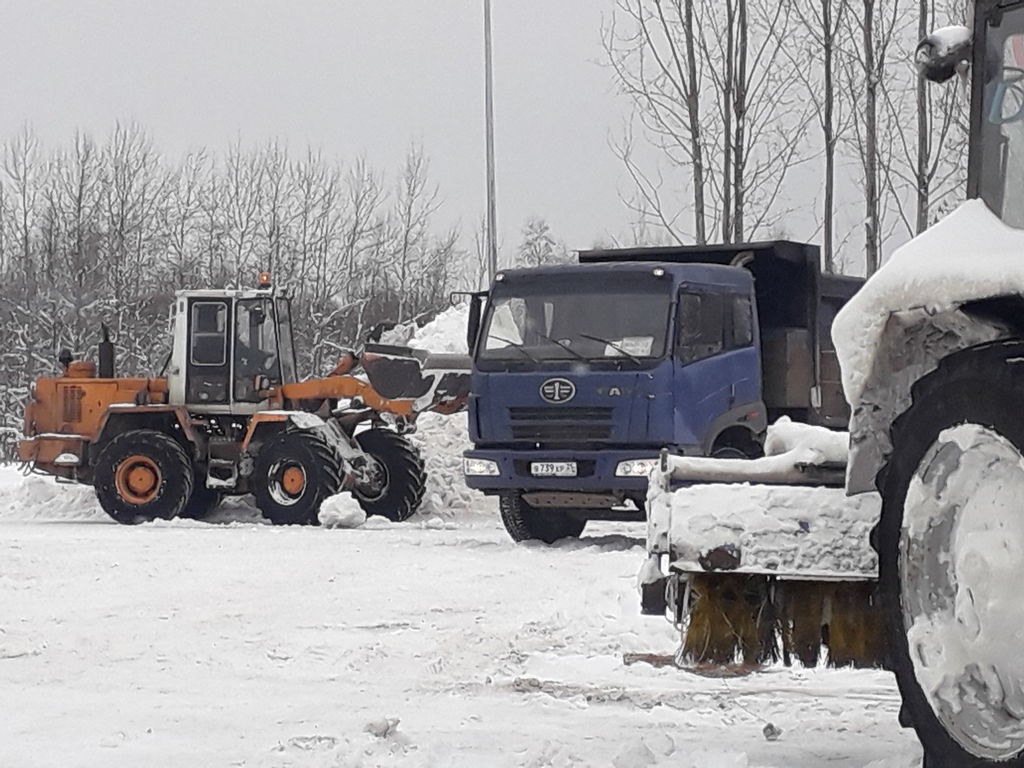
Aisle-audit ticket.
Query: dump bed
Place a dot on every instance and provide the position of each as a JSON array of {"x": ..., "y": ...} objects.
[{"x": 796, "y": 305}]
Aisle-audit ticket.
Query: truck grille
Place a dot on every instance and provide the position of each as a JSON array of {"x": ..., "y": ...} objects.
[{"x": 561, "y": 424}]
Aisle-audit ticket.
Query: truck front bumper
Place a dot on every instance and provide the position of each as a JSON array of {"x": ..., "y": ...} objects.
[{"x": 595, "y": 472}]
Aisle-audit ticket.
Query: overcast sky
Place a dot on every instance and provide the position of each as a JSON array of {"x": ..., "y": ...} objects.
[{"x": 348, "y": 76}]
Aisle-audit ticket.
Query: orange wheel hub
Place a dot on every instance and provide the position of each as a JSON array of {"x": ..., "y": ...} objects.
[
  {"x": 137, "y": 479},
  {"x": 293, "y": 481}
]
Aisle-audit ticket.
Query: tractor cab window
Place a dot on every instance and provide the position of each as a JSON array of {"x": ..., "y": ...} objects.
[
  {"x": 1001, "y": 178},
  {"x": 209, "y": 333},
  {"x": 256, "y": 351}
]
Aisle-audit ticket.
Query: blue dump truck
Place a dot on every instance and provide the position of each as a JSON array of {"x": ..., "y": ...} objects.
[{"x": 582, "y": 373}]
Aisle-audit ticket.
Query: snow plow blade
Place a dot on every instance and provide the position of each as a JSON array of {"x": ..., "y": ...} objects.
[{"x": 436, "y": 382}]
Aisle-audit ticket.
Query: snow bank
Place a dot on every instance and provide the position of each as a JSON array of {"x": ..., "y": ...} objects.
[
  {"x": 969, "y": 255},
  {"x": 442, "y": 439},
  {"x": 445, "y": 333},
  {"x": 37, "y": 497}
]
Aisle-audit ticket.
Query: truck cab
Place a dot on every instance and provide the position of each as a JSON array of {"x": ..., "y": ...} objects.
[{"x": 583, "y": 373}]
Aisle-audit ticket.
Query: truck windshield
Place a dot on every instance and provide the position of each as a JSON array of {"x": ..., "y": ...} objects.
[
  {"x": 606, "y": 316},
  {"x": 1001, "y": 179}
]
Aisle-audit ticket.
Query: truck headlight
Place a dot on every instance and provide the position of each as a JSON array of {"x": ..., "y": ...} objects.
[
  {"x": 480, "y": 468},
  {"x": 636, "y": 467}
]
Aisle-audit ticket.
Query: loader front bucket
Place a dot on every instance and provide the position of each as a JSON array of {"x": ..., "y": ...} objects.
[{"x": 437, "y": 382}]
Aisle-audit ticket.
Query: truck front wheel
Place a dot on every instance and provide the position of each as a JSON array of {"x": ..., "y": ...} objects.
[
  {"x": 950, "y": 556},
  {"x": 526, "y": 523}
]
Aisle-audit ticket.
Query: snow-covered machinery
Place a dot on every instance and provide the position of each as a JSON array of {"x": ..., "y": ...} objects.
[
  {"x": 232, "y": 416},
  {"x": 767, "y": 558},
  {"x": 932, "y": 351}
]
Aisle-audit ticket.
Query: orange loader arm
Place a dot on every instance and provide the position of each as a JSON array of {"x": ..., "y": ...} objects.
[{"x": 338, "y": 387}]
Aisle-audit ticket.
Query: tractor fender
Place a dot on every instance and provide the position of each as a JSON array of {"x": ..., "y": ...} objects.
[
  {"x": 121, "y": 417},
  {"x": 266, "y": 422},
  {"x": 912, "y": 345}
]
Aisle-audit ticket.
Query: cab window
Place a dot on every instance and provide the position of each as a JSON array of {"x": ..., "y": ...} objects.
[
  {"x": 255, "y": 347},
  {"x": 701, "y": 326},
  {"x": 209, "y": 333},
  {"x": 712, "y": 323}
]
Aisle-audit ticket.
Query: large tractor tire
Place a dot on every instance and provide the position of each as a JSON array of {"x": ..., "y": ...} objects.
[
  {"x": 400, "y": 480},
  {"x": 526, "y": 523},
  {"x": 143, "y": 475},
  {"x": 950, "y": 546},
  {"x": 292, "y": 476}
]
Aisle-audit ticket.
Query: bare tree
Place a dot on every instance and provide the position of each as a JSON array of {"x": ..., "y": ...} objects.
[
  {"x": 822, "y": 22},
  {"x": 875, "y": 24},
  {"x": 652, "y": 49},
  {"x": 416, "y": 201}
]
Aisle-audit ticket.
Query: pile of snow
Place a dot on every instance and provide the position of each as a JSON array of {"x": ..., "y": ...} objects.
[
  {"x": 341, "y": 510},
  {"x": 969, "y": 255},
  {"x": 445, "y": 333},
  {"x": 38, "y": 497},
  {"x": 442, "y": 439}
]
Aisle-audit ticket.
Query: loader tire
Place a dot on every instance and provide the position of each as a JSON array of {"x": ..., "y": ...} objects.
[
  {"x": 526, "y": 523},
  {"x": 143, "y": 475},
  {"x": 948, "y": 544},
  {"x": 398, "y": 490},
  {"x": 292, "y": 476}
]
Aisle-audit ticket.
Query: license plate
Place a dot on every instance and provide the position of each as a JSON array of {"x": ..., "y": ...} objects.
[{"x": 553, "y": 468}]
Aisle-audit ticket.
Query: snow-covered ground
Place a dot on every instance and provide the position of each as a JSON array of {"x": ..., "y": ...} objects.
[{"x": 242, "y": 644}]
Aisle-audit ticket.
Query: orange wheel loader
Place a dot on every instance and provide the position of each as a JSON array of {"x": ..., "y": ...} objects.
[{"x": 229, "y": 415}]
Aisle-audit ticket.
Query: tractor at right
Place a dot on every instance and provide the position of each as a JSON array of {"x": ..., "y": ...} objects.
[{"x": 932, "y": 352}]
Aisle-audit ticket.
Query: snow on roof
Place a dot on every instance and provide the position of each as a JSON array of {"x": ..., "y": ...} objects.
[{"x": 969, "y": 255}]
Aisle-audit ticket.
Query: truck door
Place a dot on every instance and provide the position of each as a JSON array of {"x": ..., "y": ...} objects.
[{"x": 718, "y": 364}]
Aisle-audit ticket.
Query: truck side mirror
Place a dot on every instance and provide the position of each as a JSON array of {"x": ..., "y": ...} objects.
[
  {"x": 476, "y": 305},
  {"x": 941, "y": 54},
  {"x": 476, "y": 302}
]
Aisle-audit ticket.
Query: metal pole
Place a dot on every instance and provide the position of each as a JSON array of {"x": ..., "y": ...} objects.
[{"x": 492, "y": 216}]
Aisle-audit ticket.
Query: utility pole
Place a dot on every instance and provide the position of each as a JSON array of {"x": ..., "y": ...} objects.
[{"x": 492, "y": 215}]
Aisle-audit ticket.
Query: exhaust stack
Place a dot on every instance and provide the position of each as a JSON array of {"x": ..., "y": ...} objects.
[{"x": 106, "y": 354}]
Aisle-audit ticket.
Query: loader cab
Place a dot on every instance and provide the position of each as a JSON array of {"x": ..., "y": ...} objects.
[
  {"x": 996, "y": 160},
  {"x": 229, "y": 346}
]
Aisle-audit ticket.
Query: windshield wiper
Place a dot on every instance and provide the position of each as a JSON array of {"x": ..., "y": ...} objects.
[
  {"x": 564, "y": 346},
  {"x": 516, "y": 345},
  {"x": 614, "y": 346}
]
